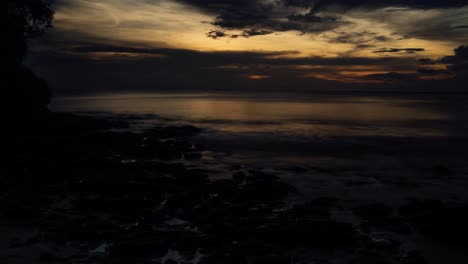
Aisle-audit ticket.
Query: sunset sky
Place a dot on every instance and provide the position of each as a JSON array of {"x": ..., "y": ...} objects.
[{"x": 105, "y": 45}]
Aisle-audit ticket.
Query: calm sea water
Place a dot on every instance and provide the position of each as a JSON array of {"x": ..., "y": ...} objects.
[
  {"x": 279, "y": 123},
  {"x": 287, "y": 126},
  {"x": 308, "y": 116}
]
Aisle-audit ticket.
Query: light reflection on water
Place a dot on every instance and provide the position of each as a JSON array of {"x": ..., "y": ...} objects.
[{"x": 290, "y": 116}]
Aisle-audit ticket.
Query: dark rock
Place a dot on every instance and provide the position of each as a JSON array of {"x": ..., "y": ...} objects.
[
  {"x": 444, "y": 221},
  {"x": 441, "y": 171},
  {"x": 295, "y": 169},
  {"x": 317, "y": 234},
  {"x": 370, "y": 260},
  {"x": 352, "y": 183},
  {"x": 316, "y": 209},
  {"x": 374, "y": 211},
  {"x": 324, "y": 170},
  {"x": 48, "y": 256},
  {"x": 25, "y": 241},
  {"x": 379, "y": 216},
  {"x": 413, "y": 257},
  {"x": 172, "y": 132},
  {"x": 193, "y": 155},
  {"x": 257, "y": 176},
  {"x": 239, "y": 177},
  {"x": 401, "y": 182}
]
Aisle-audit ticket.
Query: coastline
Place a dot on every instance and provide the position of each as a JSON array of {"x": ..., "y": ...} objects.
[{"x": 84, "y": 192}]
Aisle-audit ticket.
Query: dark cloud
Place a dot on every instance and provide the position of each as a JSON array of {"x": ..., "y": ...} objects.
[
  {"x": 240, "y": 57},
  {"x": 396, "y": 50},
  {"x": 254, "y": 32},
  {"x": 359, "y": 38},
  {"x": 460, "y": 27},
  {"x": 255, "y": 16},
  {"x": 458, "y": 63},
  {"x": 181, "y": 71},
  {"x": 426, "y": 61},
  {"x": 216, "y": 5},
  {"x": 216, "y": 34},
  {"x": 364, "y": 46},
  {"x": 310, "y": 17},
  {"x": 460, "y": 56},
  {"x": 392, "y": 77},
  {"x": 241, "y": 16},
  {"x": 283, "y": 15},
  {"x": 432, "y": 72},
  {"x": 104, "y": 68},
  {"x": 419, "y": 4},
  {"x": 191, "y": 56}
]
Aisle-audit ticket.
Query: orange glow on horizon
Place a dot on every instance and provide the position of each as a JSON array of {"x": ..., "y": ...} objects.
[{"x": 258, "y": 77}]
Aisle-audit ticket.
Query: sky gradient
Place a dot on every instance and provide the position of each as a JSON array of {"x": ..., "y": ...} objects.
[{"x": 132, "y": 45}]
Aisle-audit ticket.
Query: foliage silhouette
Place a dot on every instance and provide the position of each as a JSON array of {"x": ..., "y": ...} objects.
[
  {"x": 26, "y": 96},
  {"x": 26, "y": 19}
]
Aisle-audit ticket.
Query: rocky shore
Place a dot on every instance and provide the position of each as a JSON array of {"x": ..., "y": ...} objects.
[{"x": 85, "y": 190}]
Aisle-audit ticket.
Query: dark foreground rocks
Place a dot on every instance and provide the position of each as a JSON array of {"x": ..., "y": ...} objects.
[
  {"x": 446, "y": 222},
  {"x": 77, "y": 192}
]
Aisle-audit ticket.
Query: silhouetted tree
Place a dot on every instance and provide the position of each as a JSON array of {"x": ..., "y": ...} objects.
[
  {"x": 25, "y": 96},
  {"x": 26, "y": 19}
]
